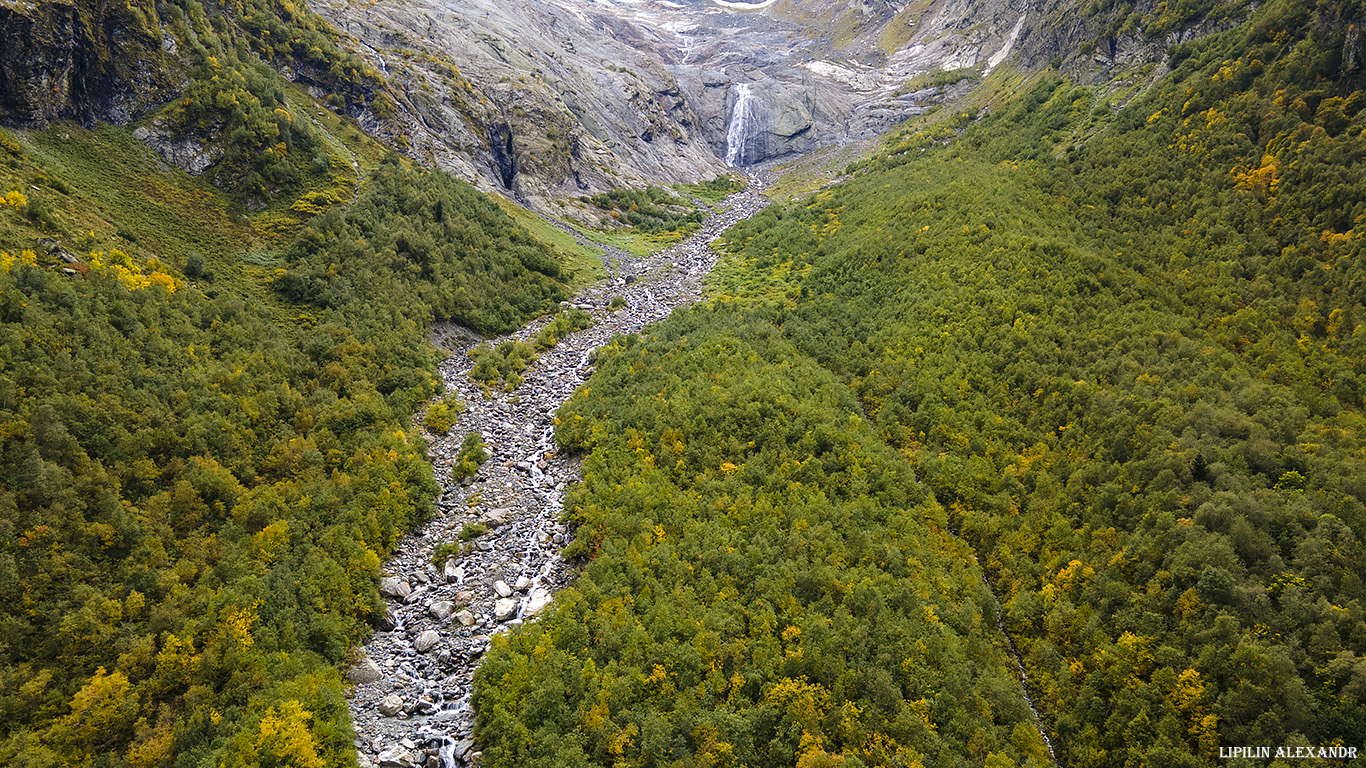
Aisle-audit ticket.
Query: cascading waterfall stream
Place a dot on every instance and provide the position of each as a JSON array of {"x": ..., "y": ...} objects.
[
  {"x": 1024, "y": 675},
  {"x": 743, "y": 118}
]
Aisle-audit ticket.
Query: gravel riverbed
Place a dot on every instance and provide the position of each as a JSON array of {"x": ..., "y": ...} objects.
[{"x": 411, "y": 687}]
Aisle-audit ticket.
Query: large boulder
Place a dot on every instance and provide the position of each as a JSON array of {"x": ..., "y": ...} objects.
[
  {"x": 392, "y": 586},
  {"x": 390, "y": 705},
  {"x": 365, "y": 671}
]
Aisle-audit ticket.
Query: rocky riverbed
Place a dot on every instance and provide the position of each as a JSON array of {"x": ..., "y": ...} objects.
[{"x": 411, "y": 694}]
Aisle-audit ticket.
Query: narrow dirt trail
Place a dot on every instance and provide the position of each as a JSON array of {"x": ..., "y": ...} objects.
[{"x": 410, "y": 702}]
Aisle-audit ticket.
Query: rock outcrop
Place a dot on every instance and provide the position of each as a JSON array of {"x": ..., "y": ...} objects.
[
  {"x": 530, "y": 99},
  {"x": 83, "y": 60}
]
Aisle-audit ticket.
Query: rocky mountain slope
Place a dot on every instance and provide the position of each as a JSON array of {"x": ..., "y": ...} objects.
[
  {"x": 552, "y": 99},
  {"x": 543, "y": 101}
]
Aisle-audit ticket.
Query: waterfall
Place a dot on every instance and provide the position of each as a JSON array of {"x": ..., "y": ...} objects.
[{"x": 741, "y": 132}]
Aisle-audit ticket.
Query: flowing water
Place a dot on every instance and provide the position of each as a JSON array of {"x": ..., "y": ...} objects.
[
  {"x": 744, "y": 118},
  {"x": 1024, "y": 676}
]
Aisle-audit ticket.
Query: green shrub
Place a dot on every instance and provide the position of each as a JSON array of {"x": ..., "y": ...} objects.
[
  {"x": 443, "y": 414},
  {"x": 472, "y": 455}
]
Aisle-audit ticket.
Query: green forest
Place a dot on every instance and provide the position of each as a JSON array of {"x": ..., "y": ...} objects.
[
  {"x": 207, "y": 413},
  {"x": 196, "y": 497},
  {"x": 1080, "y": 379},
  {"x": 653, "y": 209},
  {"x": 1108, "y": 358}
]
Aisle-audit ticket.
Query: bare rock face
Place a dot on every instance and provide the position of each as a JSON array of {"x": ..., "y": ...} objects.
[
  {"x": 83, "y": 60},
  {"x": 190, "y": 154},
  {"x": 539, "y": 98},
  {"x": 536, "y": 100}
]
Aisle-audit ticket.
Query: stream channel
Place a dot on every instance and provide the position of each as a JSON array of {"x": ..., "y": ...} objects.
[{"x": 410, "y": 703}]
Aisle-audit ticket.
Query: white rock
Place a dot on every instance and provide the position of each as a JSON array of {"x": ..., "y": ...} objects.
[
  {"x": 397, "y": 757},
  {"x": 441, "y": 609},
  {"x": 537, "y": 601},
  {"x": 365, "y": 671},
  {"x": 426, "y": 640},
  {"x": 502, "y": 588},
  {"x": 392, "y": 586},
  {"x": 497, "y": 517},
  {"x": 523, "y": 584},
  {"x": 452, "y": 572},
  {"x": 465, "y": 618},
  {"x": 391, "y": 705},
  {"x": 504, "y": 609}
]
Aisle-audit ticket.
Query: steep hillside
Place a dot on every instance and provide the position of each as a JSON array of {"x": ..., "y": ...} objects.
[
  {"x": 544, "y": 101},
  {"x": 207, "y": 386},
  {"x": 552, "y": 99},
  {"x": 1121, "y": 353}
]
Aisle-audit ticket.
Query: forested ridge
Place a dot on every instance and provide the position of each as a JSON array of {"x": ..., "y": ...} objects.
[
  {"x": 1118, "y": 354},
  {"x": 206, "y": 457}
]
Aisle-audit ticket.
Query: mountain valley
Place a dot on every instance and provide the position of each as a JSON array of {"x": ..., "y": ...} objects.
[{"x": 815, "y": 383}]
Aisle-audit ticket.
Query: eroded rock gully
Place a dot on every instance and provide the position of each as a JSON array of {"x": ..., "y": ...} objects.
[{"x": 410, "y": 701}]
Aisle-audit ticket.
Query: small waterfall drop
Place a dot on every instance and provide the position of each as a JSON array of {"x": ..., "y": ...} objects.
[{"x": 740, "y": 134}]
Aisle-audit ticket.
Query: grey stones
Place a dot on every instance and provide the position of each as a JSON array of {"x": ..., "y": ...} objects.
[
  {"x": 504, "y": 609},
  {"x": 391, "y": 705},
  {"x": 392, "y": 586},
  {"x": 427, "y": 640},
  {"x": 365, "y": 671}
]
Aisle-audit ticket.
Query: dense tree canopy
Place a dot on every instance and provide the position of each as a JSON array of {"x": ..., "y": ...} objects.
[
  {"x": 195, "y": 497},
  {"x": 1122, "y": 353}
]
